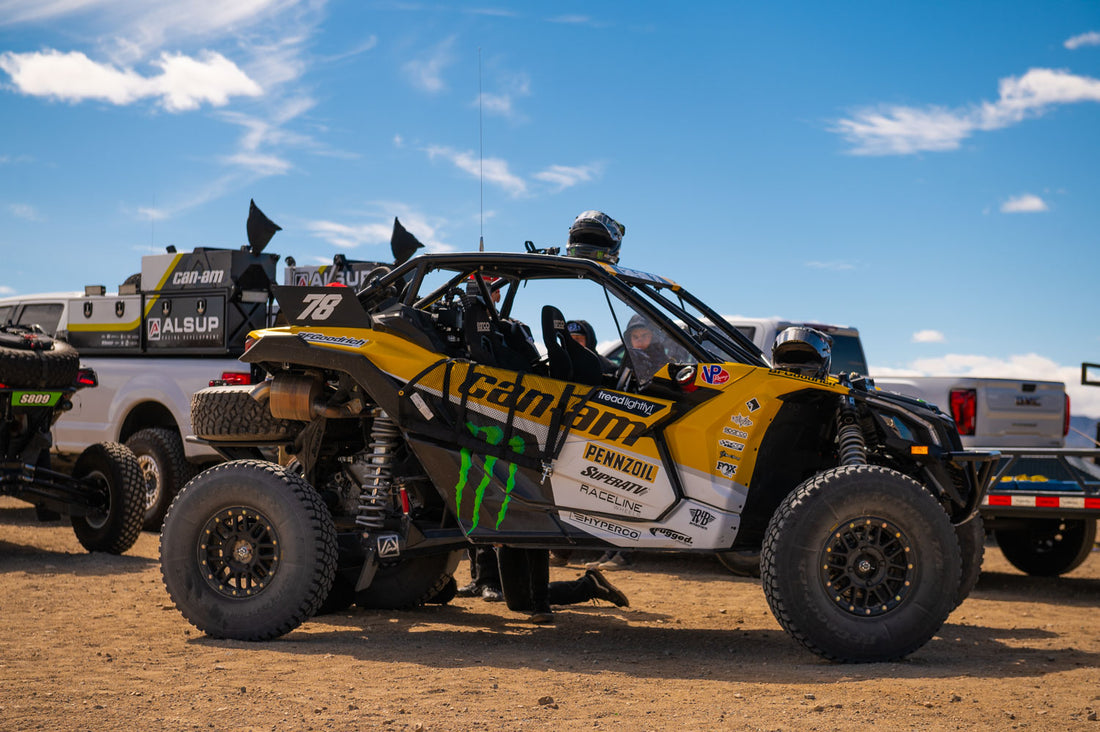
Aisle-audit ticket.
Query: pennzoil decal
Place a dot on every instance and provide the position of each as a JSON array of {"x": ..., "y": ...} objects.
[
  {"x": 620, "y": 462},
  {"x": 627, "y": 403},
  {"x": 493, "y": 435},
  {"x": 603, "y": 525},
  {"x": 332, "y": 340}
]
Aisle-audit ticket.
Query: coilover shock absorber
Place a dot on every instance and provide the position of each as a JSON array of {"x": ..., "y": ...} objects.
[
  {"x": 849, "y": 435},
  {"x": 375, "y": 472}
]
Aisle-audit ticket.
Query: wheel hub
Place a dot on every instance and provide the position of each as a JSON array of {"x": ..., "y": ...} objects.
[
  {"x": 867, "y": 566},
  {"x": 238, "y": 552},
  {"x": 151, "y": 473}
]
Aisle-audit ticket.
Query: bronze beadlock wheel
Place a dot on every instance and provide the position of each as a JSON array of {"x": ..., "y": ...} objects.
[
  {"x": 866, "y": 566},
  {"x": 239, "y": 552}
]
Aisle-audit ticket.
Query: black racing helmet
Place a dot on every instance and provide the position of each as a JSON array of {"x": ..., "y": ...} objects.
[{"x": 595, "y": 235}]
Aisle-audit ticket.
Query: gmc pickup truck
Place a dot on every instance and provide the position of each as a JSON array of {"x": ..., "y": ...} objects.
[{"x": 1043, "y": 508}]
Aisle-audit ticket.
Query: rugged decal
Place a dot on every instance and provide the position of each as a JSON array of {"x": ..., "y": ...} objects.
[
  {"x": 674, "y": 535},
  {"x": 701, "y": 518},
  {"x": 622, "y": 463},
  {"x": 603, "y": 525},
  {"x": 492, "y": 435},
  {"x": 714, "y": 374}
]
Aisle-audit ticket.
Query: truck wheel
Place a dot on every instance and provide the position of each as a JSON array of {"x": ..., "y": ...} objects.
[
  {"x": 742, "y": 562},
  {"x": 247, "y": 551},
  {"x": 230, "y": 413},
  {"x": 971, "y": 536},
  {"x": 1048, "y": 547},
  {"x": 409, "y": 583},
  {"x": 855, "y": 562},
  {"x": 110, "y": 471},
  {"x": 53, "y": 363},
  {"x": 159, "y": 453}
]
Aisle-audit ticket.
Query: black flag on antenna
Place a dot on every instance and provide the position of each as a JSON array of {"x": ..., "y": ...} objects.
[
  {"x": 402, "y": 243},
  {"x": 260, "y": 228}
]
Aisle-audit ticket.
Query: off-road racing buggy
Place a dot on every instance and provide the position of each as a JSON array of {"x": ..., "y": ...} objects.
[
  {"x": 421, "y": 419},
  {"x": 104, "y": 495}
]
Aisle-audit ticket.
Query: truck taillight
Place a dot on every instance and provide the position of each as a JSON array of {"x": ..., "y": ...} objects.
[
  {"x": 964, "y": 408},
  {"x": 86, "y": 377},
  {"x": 1065, "y": 420},
  {"x": 236, "y": 378}
]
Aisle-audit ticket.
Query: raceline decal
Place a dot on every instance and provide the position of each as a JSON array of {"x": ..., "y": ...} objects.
[
  {"x": 735, "y": 433},
  {"x": 613, "y": 498},
  {"x": 731, "y": 445},
  {"x": 727, "y": 469},
  {"x": 741, "y": 420},
  {"x": 627, "y": 403},
  {"x": 752, "y": 405},
  {"x": 701, "y": 518},
  {"x": 674, "y": 535},
  {"x": 714, "y": 374},
  {"x": 604, "y": 525},
  {"x": 622, "y": 463},
  {"x": 327, "y": 340},
  {"x": 493, "y": 436}
]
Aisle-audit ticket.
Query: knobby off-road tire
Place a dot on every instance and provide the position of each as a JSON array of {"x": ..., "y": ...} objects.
[
  {"x": 164, "y": 467},
  {"x": 41, "y": 368},
  {"x": 741, "y": 562},
  {"x": 409, "y": 583},
  {"x": 971, "y": 536},
  {"x": 111, "y": 471},
  {"x": 1048, "y": 547},
  {"x": 855, "y": 564},
  {"x": 230, "y": 413},
  {"x": 248, "y": 551}
]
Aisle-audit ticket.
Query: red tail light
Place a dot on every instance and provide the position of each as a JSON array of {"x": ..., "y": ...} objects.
[
  {"x": 86, "y": 377},
  {"x": 236, "y": 378},
  {"x": 964, "y": 408},
  {"x": 1065, "y": 420}
]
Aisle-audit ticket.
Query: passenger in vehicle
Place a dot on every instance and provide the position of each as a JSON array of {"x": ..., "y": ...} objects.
[{"x": 647, "y": 350}]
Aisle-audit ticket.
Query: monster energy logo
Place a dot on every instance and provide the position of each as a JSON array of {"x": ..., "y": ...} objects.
[{"x": 494, "y": 436}]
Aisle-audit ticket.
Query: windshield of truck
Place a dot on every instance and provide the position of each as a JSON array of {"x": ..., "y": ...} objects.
[{"x": 848, "y": 355}]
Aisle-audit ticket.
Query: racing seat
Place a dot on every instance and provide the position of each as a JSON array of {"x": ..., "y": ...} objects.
[
  {"x": 487, "y": 345},
  {"x": 569, "y": 360}
]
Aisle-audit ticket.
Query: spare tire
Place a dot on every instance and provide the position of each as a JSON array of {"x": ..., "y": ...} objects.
[
  {"x": 229, "y": 413},
  {"x": 30, "y": 358}
]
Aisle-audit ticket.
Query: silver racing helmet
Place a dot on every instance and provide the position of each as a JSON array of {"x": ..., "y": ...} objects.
[{"x": 595, "y": 235}]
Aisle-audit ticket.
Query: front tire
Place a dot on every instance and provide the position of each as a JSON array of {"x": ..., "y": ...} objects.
[
  {"x": 855, "y": 562},
  {"x": 164, "y": 468},
  {"x": 248, "y": 551},
  {"x": 110, "y": 471},
  {"x": 1048, "y": 547}
]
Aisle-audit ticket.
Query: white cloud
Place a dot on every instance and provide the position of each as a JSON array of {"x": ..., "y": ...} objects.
[
  {"x": 24, "y": 211},
  {"x": 184, "y": 83},
  {"x": 898, "y": 130},
  {"x": 1092, "y": 38},
  {"x": 5, "y": 290},
  {"x": 1084, "y": 400},
  {"x": 928, "y": 336},
  {"x": 427, "y": 73},
  {"x": 350, "y": 236},
  {"x": 514, "y": 85},
  {"x": 152, "y": 214},
  {"x": 567, "y": 176},
  {"x": 1026, "y": 203},
  {"x": 495, "y": 170}
]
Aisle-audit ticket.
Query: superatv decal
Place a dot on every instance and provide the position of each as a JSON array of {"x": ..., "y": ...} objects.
[
  {"x": 629, "y": 486},
  {"x": 620, "y": 462},
  {"x": 493, "y": 436}
]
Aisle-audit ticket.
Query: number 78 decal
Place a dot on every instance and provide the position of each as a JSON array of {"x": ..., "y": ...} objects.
[{"x": 318, "y": 306}]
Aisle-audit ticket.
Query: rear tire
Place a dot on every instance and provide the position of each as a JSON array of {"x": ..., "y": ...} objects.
[
  {"x": 159, "y": 452},
  {"x": 855, "y": 562},
  {"x": 248, "y": 551},
  {"x": 220, "y": 413},
  {"x": 111, "y": 471},
  {"x": 409, "y": 583},
  {"x": 1048, "y": 547},
  {"x": 971, "y": 536}
]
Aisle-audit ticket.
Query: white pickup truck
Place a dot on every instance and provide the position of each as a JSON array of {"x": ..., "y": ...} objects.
[{"x": 1043, "y": 508}]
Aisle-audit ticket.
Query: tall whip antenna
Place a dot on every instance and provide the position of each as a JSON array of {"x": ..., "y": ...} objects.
[{"x": 480, "y": 154}]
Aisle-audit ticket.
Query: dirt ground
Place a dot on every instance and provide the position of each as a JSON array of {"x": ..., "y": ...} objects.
[{"x": 92, "y": 642}]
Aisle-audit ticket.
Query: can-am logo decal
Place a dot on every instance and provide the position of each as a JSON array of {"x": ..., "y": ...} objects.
[
  {"x": 599, "y": 523},
  {"x": 209, "y": 277},
  {"x": 627, "y": 403},
  {"x": 674, "y": 535},
  {"x": 741, "y": 420},
  {"x": 727, "y": 469},
  {"x": 701, "y": 518},
  {"x": 622, "y": 463},
  {"x": 714, "y": 374},
  {"x": 494, "y": 436},
  {"x": 332, "y": 340},
  {"x": 735, "y": 433}
]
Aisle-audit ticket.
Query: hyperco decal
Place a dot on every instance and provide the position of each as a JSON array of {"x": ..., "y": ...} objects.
[
  {"x": 603, "y": 525},
  {"x": 494, "y": 436}
]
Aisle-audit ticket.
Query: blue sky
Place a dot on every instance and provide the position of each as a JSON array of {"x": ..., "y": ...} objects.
[{"x": 924, "y": 171}]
